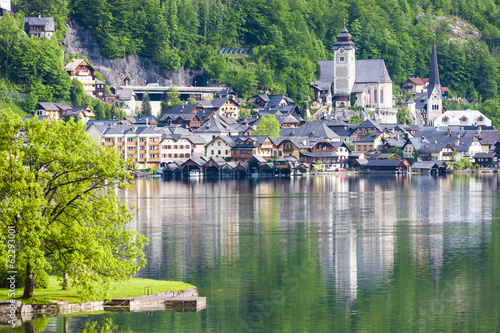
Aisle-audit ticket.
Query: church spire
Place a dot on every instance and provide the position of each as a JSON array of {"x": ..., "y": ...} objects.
[{"x": 434, "y": 75}]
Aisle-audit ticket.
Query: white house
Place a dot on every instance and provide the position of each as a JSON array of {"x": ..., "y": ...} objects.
[{"x": 462, "y": 118}]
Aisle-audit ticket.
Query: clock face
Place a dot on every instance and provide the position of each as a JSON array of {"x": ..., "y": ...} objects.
[
  {"x": 341, "y": 50},
  {"x": 434, "y": 96}
]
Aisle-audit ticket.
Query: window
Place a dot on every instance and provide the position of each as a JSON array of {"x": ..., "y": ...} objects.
[
  {"x": 170, "y": 155},
  {"x": 142, "y": 147},
  {"x": 218, "y": 152},
  {"x": 107, "y": 139},
  {"x": 152, "y": 155},
  {"x": 175, "y": 146},
  {"x": 212, "y": 152},
  {"x": 375, "y": 95},
  {"x": 181, "y": 155},
  {"x": 165, "y": 146},
  {"x": 152, "y": 139},
  {"x": 227, "y": 152},
  {"x": 341, "y": 59},
  {"x": 164, "y": 155},
  {"x": 141, "y": 139},
  {"x": 169, "y": 147},
  {"x": 187, "y": 155},
  {"x": 181, "y": 147},
  {"x": 141, "y": 156},
  {"x": 381, "y": 95},
  {"x": 130, "y": 139},
  {"x": 120, "y": 139},
  {"x": 130, "y": 148}
]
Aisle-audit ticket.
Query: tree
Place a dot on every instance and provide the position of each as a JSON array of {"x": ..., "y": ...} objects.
[
  {"x": 31, "y": 102},
  {"x": 269, "y": 126},
  {"x": 57, "y": 191},
  {"x": 146, "y": 105}
]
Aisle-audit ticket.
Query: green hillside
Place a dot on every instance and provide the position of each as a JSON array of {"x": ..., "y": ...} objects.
[{"x": 288, "y": 37}]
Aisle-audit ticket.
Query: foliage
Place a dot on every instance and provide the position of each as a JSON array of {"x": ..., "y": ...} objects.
[
  {"x": 464, "y": 163},
  {"x": 269, "y": 126},
  {"x": 173, "y": 98},
  {"x": 317, "y": 166},
  {"x": 57, "y": 190},
  {"x": 355, "y": 120},
  {"x": 146, "y": 105},
  {"x": 403, "y": 116}
]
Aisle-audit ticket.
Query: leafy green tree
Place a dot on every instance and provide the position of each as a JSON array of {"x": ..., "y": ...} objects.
[
  {"x": 76, "y": 93},
  {"x": 31, "y": 102},
  {"x": 269, "y": 126},
  {"x": 403, "y": 116},
  {"x": 57, "y": 191},
  {"x": 355, "y": 120},
  {"x": 146, "y": 105}
]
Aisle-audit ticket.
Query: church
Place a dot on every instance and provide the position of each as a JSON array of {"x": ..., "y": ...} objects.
[{"x": 346, "y": 81}]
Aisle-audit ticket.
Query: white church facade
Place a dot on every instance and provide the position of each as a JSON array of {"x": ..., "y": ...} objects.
[{"x": 346, "y": 81}]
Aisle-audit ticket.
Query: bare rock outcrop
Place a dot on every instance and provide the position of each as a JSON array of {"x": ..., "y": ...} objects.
[{"x": 140, "y": 70}]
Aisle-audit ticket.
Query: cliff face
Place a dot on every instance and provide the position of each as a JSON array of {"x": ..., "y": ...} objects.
[{"x": 140, "y": 70}]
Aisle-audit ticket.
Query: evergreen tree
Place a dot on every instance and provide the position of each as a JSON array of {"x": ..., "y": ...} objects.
[{"x": 146, "y": 105}]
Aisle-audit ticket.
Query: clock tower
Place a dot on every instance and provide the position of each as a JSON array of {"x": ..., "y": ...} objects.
[
  {"x": 434, "y": 93},
  {"x": 344, "y": 68}
]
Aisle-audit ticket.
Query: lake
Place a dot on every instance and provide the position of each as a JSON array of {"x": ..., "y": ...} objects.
[{"x": 320, "y": 254}]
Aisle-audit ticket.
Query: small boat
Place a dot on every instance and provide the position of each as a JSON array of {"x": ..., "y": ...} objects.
[{"x": 195, "y": 173}]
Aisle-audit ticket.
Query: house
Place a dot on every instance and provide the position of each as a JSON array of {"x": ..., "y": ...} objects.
[
  {"x": 182, "y": 109},
  {"x": 83, "y": 72},
  {"x": 79, "y": 112},
  {"x": 322, "y": 92},
  {"x": 143, "y": 120},
  {"x": 226, "y": 107},
  {"x": 462, "y": 118},
  {"x": 179, "y": 147},
  {"x": 290, "y": 146},
  {"x": 100, "y": 90},
  {"x": 140, "y": 143},
  {"x": 313, "y": 129},
  {"x": 214, "y": 127},
  {"x": 52, "y": 110},
  {"x": 288, "y": 121},
  {"x": 264, "y": 101},
  {"x": 397, "y": 166},
  {"x": 190, "y": 120},
  {"x": 5, "y": 7},
  {"x": 430, "y": 167},
  {"x": 373, "y": 142},
  {"x": 364, "y": 129},
  {"x": 220, "y": 146},
  {"x": 126, "y": 100},
  {"x": 416, "y": 85},
  {"x": 332, "y": 155},
  {"x": 344, "y": 131},
  {"x": 247, "y": 146},
  {"x": 39, "y": 27}
]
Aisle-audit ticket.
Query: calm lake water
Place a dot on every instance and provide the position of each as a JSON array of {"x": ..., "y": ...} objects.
[{"x": 324, "y": 254}]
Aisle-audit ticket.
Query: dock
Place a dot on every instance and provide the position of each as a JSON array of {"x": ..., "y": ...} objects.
[{"x": 154, "y": 302}]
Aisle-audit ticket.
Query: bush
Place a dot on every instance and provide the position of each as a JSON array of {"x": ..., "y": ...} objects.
[{"x": 41, "y": 279}]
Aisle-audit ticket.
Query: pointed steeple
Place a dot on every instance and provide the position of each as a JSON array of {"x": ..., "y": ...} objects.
[{"x": 434, "y": 75}]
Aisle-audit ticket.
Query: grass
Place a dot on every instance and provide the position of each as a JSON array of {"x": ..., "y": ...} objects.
[
  {"x": 14, "y": 106},
  {"x": 130, "y": 288}
]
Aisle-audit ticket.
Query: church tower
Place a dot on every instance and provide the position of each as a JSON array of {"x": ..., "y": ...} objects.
[
  {"x": 434, "y": 94},
  {"x": 344, "y": 51}
]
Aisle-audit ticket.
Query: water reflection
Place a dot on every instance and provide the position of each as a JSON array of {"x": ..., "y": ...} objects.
[{"x": 360, "y": 253}]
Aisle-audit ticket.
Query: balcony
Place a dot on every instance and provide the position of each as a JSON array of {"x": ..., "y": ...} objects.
[
  {"x": 153, "y": 160},
  {"x": 120, "y": 143},
  {"x": 108, "y": 143},
  {"x": 154, "y": 151},
  {"x": 131, "y": 143}
]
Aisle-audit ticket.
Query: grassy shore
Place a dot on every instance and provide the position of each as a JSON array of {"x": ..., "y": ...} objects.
[{"x": 130, "y": 288}]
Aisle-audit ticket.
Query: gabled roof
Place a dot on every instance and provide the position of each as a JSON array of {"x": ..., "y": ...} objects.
[
  {"x": 301, "y": 142},
  {"x": 54, "y": 106},
  {"x": 73, "y": 64},
  {"x": 418, "y": 81},
  {"x": 177, "y": 109},
  {"x": 258, "y": 139},
  {"x": 369, "y": 138},
  {"x": 214, "y": 125},
  {"x": 370, "y": 71},
  {"x": 124, "y": 94},
  {"x": 314, "y": 129},
  {"x": 47, "y": 22},
  {"x": 327, "y": 73},
  {"x": 370, "y": 124},
  {"x": 383, "y": 163},
  {"x": 178, "y": 117}
]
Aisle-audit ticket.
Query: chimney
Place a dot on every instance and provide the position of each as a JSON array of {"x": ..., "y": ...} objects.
[
  {"x": 457, "y": 142},
  {"x": 449, "y": 131},
  {"x": 39, "y": 15},
  {"x": 422, "y": 139},
  {"x": 458, "y": 135}
]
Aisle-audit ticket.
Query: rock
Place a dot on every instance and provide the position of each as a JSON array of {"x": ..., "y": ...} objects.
[{"x": 140, "y": 70}]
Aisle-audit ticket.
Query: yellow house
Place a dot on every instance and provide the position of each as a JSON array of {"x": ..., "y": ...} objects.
[{"x": 370, "y": 143}]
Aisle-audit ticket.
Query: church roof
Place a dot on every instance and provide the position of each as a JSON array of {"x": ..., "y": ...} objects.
[
  {"x": 344, "y": 40},
  {"x": 434, "y": 76},
  {"x": 370, "y": 71},
  {"x": 327, "y": 72}
]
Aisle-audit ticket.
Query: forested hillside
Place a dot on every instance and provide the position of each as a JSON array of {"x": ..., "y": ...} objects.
[{"x": 288, "y": 37}]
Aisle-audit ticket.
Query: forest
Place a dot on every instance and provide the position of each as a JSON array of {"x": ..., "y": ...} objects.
[{"x": 288, "y": 37}]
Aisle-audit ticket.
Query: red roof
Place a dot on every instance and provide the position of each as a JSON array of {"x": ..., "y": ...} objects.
[
  {"x": 418, "y": 81},
  {"x": 445, "y": 89}
]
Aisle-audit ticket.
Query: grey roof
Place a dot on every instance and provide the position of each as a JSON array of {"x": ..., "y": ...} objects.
[
  {"x": 420, "y": 100},
  {"x": 176, "y": 116},
  {"x": 54, "y": 106},
  {"x": 315, "y": 129},
  {"x": 369, "y": 138},
  {"x": 383, "y": 163},
  {"x": 344, "y": 40},
  {"x": 258, "y": 139},
  {"x": 434, "y": 75},
  {"x": 358, "y": 87},
  {"x": 177, "y": 109},
  {"x": 425, "y": 165},
  {"x": 47, "y": 22},
  {"x": 124, "y": 94},
  {"x": 370, "y": 124},
  {"x": 216, "y": 125},
  {"x": 394, "y": 142},
  {"x": 342, "y": 130},
  {"x": 141, "y": 120},
  {"x": 369, "y": 71},
  {"x": 274, "y": 101},
  {"x": 301, "y": 142},
  {"x": 287, "y": 120},
  {"x": 319, "y": 154},
  {"x": 326, "y": 71}
]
